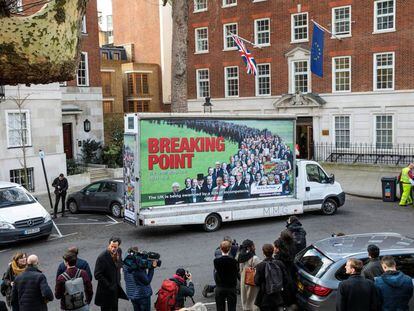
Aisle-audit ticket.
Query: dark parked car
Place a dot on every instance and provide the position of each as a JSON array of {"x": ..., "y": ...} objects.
[
  {"x": 103, "y": 196},
  {"x": 321, "y": 266}
]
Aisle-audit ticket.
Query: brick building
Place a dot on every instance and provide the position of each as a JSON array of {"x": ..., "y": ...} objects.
[{"x": 366, "y": 94}]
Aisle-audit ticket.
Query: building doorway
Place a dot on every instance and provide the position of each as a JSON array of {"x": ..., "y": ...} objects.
[
  {"x": 304, "y": 137},
  {"x": 68, "y": 140}
]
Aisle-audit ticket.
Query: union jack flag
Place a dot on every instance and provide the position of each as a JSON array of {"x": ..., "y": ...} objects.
[{"x": 245, "y": 54}]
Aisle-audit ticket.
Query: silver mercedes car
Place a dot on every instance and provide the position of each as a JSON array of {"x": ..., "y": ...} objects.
[{"x": 321, "y": 266}]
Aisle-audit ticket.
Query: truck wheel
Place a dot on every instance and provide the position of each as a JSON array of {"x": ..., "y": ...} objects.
[
  {"x": 329, "y": 207},
  {"x": 73, "y": 207},
  {"x": 212, "y": 223}
]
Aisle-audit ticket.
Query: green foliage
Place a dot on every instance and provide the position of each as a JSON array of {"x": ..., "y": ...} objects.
[
  {"x": 91, "y": 151},
  {"x": 114, "y": 138},
  {"x": 73, "y": 168},
  {"x": 112, "y": 156}
]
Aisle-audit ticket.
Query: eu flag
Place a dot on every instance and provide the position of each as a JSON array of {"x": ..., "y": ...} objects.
[{"x": 317, "y": 51}]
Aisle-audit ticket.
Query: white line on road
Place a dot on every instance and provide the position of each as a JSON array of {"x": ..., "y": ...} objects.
[
  {"x": 57, "y": 229},
  {"x": 209, "y": 303},
  {"x": 112, "y": 219},
  {"x": 86, "y": 223},
  {"x": 63, "y": 236},
  {"x": 92, "y": 219},
  {"x": 5, "y": 250}
]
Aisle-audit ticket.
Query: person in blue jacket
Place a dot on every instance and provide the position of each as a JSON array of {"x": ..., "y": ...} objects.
[
  {"x": 394, "y": 287},
  {"x": 138, "y": 281}
]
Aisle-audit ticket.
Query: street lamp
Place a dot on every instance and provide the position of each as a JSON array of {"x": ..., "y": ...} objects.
[
  {"x": 87, "y": 125},
  {"x": 208, "y": 106}
]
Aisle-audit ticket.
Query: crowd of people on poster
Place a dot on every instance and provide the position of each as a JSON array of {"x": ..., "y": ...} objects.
[{"x": 129, "y": 176}]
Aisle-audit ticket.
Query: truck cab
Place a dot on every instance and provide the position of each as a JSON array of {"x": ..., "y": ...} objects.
[{"x": 317, "y": 189}]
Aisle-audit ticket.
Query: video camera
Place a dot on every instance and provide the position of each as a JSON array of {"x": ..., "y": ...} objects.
[{"x": 142, "y": 260}]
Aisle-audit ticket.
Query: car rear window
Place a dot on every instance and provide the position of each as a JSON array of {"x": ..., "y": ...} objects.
[{"x": 313, "y": 261}]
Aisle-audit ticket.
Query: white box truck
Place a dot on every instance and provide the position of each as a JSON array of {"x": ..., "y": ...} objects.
[{"x": 182, "y": 169}]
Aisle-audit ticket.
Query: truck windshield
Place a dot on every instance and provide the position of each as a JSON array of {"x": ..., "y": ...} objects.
[
  {"x": 314, "y": 262},
  {"x": 14, "y": 196}
]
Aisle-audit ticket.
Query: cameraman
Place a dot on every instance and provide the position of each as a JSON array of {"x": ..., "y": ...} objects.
[
  {"x": 138, "y": 281},
  {"x": 185, "y": 290}
]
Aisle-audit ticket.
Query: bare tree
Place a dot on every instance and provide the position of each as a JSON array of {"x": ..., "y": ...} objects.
[
  {"x": 22, "y": 131},
  {"x": 179, "y": 55}
]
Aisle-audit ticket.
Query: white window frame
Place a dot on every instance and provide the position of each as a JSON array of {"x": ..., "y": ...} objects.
[
  {"x": 198, "y": 82},
  {"x": 334, "y": 71},
  {"x": 293, "y": 84},
  {"x": 334, "y": 21},
  {"x": 375, "y": 128},
  {"x": 200, "y": 10},
  {"x": 225, "y": 47},
  {"x": 86, "y": 71},
  {"x": 334, "y": 130},
  {"x": 226, "y": 90},
  {"x": 196, "y": 40},
  {"x": 269, "y": 76},
  {"x": 84, "y": 30},
  {"x": 376, "y": 30},
  {"x": 28, "y": 125},
  {"x": 256, "y": 32},
  {"x": 385, "y": 67},
  {"x": 224, "y": 4},
  {"x": 30, "y": 177},
  {"x": 292, "y": 28}
]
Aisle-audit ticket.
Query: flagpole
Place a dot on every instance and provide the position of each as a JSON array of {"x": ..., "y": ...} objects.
[
  {"x": 320, "y": 26},
  {"x": 247, "y": 41}
]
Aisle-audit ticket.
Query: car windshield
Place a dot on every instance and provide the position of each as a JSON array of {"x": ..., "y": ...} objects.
[
  {"x": 314, "y": 262},
  {"x": 14, "y": 196}
]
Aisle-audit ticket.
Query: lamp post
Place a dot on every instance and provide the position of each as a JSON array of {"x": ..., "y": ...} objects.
[
  {"x": 87, "y": 126},
  {"x": 208, "y": 106}
]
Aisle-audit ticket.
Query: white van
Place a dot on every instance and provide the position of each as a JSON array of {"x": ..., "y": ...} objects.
[{"x": 21, "y": 215}]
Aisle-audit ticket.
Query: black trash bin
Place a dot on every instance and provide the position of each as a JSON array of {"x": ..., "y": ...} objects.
[{"x": 389, "y": 189}]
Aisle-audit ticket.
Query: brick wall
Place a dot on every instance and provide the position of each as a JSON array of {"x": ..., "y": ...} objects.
[{"x": 360, "y": 46}]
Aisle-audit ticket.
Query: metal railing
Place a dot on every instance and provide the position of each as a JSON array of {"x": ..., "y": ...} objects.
[{"x": 390, "y": 154}]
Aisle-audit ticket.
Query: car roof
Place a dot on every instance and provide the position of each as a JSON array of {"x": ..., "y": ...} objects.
[
  {"x": 7, "y": 184},
  {"x": 112, "y": 180},
  {"x": 347, "y": 246}
]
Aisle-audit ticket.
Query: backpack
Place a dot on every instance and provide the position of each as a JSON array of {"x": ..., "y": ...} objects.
[
  {"x": 273, "y": 278},
  {"x": 74, "y": 297},
  {"x": 167, "y": 296}
]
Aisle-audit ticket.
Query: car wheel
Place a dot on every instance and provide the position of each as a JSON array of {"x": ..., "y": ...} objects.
[
  {"x": 73, "y": 206},
  {"x": 329, "y": 207},
  {"x": 116, "y": 210},
  {"x": 212, "y": 223}
]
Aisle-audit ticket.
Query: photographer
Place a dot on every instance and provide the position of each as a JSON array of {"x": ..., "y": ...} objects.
[
  {"x": 185, "y": 290},
  {"x": 138, "y": 277}
]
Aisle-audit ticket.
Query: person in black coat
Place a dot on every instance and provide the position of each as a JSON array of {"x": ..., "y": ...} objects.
[
  {"x": 226, "y": 275},
  {"x": 185, "y": 289},
  {"x": 61, "y": 187},
  {"x": 230, "y": 193},
  {"x": 299, "y": 234},
  {"x": 107, "y": 273},
  {"x": 373, "y": 268},
  {"x": 356, "y": 293},
  {"x": 31, "y": 291}
]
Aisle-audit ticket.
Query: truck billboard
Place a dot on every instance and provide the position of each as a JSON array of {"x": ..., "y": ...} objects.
[{"x": 194, "y": 160}]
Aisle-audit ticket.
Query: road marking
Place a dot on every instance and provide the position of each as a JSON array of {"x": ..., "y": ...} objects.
[
  {"x": 87, "y": 223},
  {"x": 61, "y": 237},
  {"x": 71, "y": 217},
  {"x": 92, "y": 219},
  {"x": 57, "y": 229},
  {"x": 5, "y": 250},
  {"x": 112, "y": 219},
  {"x": 208, "y": 303}
]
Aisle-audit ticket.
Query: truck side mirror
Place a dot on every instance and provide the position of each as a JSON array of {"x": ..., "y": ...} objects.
[{"x": 332, "y": 179}]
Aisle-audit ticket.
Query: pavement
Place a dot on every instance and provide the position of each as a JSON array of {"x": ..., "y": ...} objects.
[{"x": 193, "y": 249}]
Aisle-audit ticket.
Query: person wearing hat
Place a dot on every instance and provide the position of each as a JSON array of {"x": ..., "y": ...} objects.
[
  {"x": 186, "y": 287},
  {"x": 173, "y": 197}
]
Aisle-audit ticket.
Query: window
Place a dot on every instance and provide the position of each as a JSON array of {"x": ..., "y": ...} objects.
[
  {"x": 108, "y": 106},
  {"x": 105, "y": 55},
  {"x": 84, "y": 24},
  {"x": 316, "y": 174},
  {"x": 17, "y": 176},
  {"x": 138, "y": 84},
  {"x": 232, "y": 81},
  {"x": 203, "y": 83},
  {"x": 18, "y": 128},
  {"x": 383, "y": 132},
  {"x": 200, "y": 5},
  {"x": 341, "y": 21},
  {"x": 227, "y": 3},
  {"x": 201, "y": 40},
  {"x": 313, "y": 261},
  {"x": 299, "y": 32},
  {"x": 94, "y": 187},
  {"x": 116, "y": 56},
  {"x": 262, "y": 31},
  {"x": 384, "y": 15},
  {"x": 384, "y": 71},
  {"x": 138, "y": 106},
  {"x": 106, "y": 84},
  {"x": 342, "y": 132},
  {"x": 300, "y": 76},
  {"x": 341, "y": 74},
  {"x": 82, "y": 76},
  {"x": 405, "y": 264},
  {"x": 109, "y": 187},
  {"x": 263, "y": 80},
  {"x": 229, "y": 43}
]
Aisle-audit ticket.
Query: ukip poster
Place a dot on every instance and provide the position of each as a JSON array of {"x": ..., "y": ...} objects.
[{"x": 190, "y": 161}]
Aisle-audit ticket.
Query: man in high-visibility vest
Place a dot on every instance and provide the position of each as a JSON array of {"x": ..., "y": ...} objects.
[{"x": 407, "y": 181}]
